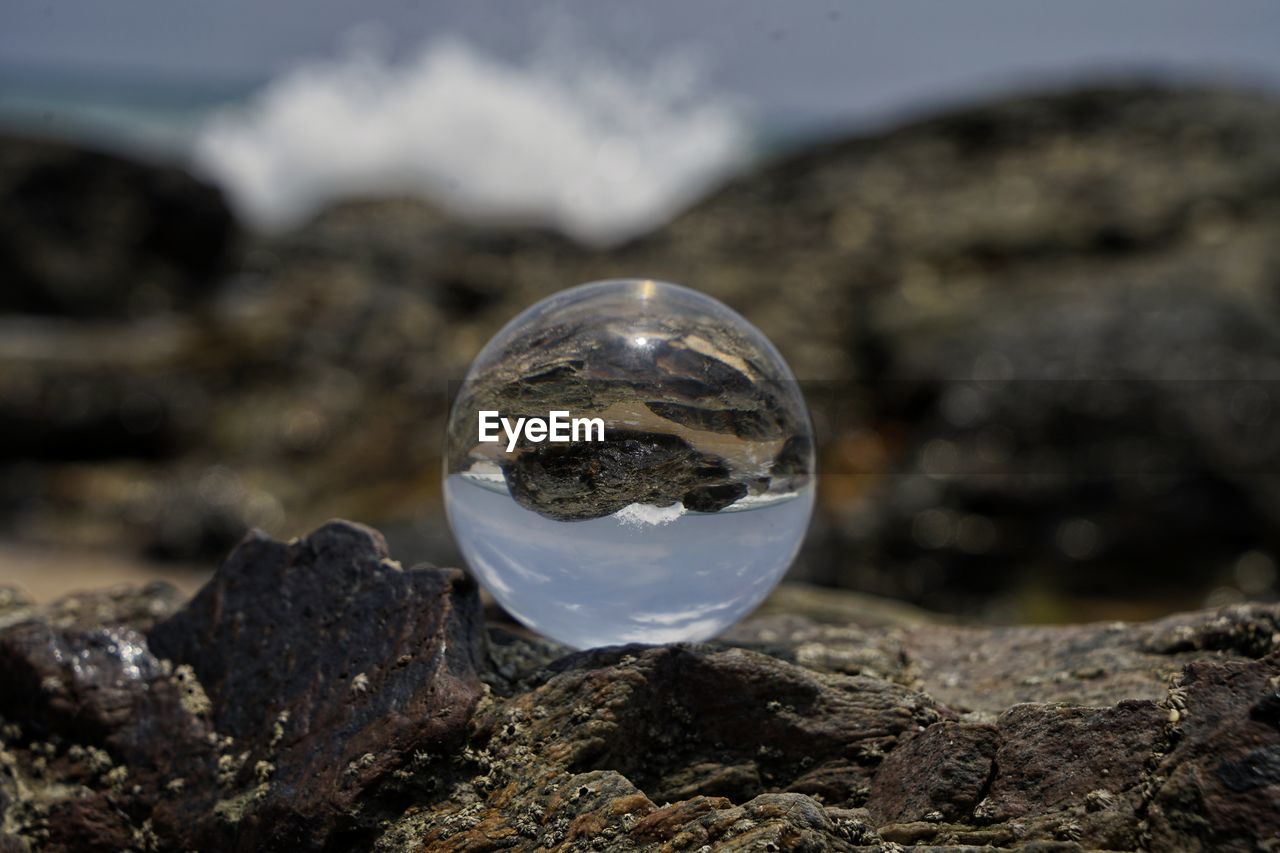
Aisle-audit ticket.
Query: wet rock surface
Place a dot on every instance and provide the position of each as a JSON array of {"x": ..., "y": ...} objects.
[{"x": 316, "y": 695}]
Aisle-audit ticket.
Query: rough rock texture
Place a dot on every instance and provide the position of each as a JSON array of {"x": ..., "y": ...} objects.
[
  {"x": 959, "y": 759},
  {"x": 1224, "y": 770},
  {"x": 263, "y": 714},
  {"x": 378, "y": 663},
  {"x": 572, "y": 482},
  {"x": 315, "y": 695}
]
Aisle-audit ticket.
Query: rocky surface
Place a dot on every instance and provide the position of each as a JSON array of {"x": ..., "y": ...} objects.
[
  {"x": 573, "y": 482},
  {"x": 317, "y": 695},
  {"x": 1039, "y": 338}
]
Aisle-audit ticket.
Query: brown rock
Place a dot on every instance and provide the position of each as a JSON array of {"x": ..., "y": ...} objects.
[
  {"x": 1219, "y": 787},
  {"x": 331, "y": 667},
  {"x": 940, "y": 773},
  {"x": 101, "y": 687},
  {"x": 1052, "y": 757},
  {"x": 682, "y": 721},
  {"x": 92, "y": 824},
  {"x": 991, "y": 669}
]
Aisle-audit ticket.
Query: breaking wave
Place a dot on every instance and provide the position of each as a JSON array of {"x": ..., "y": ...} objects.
[{"x": 569, "y": 141}]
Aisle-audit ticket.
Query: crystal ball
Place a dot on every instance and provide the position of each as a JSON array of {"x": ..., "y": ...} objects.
[{"x": 629, "y": 462}]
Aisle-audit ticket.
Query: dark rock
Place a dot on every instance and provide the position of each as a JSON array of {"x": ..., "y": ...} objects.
[
  {"x": 101, "y": 687},
  {"x": 713, "y": 498},
  {"x": 1052, "y": 757},
  {"x": 1218, "y": 788},
  {"x": 92, "y": 824},
  {"x": 332, "y": 665},
  {"x": 1268, "y": 709},
  {"x": 88, "y": 233},
  {"x": 578, "y": 481},
  {"x": 942, "y": 773},
  {"x": 103, "y": 726},
  {"x": 299, "y": 680},
  {"x": 1257, "y": 769}
]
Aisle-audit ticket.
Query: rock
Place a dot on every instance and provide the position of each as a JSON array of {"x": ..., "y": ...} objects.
[
  {"x": 574, "y": 482},
  {"x": 317, "y": 696},
  {"x": 90, "y": 824},
  {"x": 1222, "y": 775},
  {"x": 1052, "y": 760},
  {"x": 330, "y": 665},
  {"x": 89, "y": 234},
  {"x": 941, "y": 773},
  {"x": 1097, "y": 664},
  {"x": 301, "y": 678},
  {"x": 747, "y": 723},
  {"x": 102, "y": 687},
  {"x": 97, "y": 728}
]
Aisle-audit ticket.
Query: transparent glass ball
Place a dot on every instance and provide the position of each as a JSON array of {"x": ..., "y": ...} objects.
[{"x": 684, "y": 487}]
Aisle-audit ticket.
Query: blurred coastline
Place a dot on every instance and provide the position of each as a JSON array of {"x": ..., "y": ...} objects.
[{"x": 1040, "y": 331}]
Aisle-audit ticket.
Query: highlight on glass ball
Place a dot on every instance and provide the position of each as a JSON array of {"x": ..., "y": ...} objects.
[{"x": 629, "y": 462}]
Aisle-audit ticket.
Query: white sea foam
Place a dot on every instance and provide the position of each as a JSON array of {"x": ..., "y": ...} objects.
[
  {"x": 570, "y": 141},
  {"x": 639, "y": 515},
  {"x": 486, "y": 474}
]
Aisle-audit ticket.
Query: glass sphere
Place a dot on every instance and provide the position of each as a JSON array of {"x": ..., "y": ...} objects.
[{"x": 629, "y": 461}]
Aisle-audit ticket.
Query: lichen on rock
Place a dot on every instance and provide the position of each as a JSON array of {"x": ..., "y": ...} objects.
[{"x": 316, "y": 696}]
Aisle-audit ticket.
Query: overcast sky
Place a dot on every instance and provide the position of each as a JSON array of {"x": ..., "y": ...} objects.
[{"x": 802, "y": 60}]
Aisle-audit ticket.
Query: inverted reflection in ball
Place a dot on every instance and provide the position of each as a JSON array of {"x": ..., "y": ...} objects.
[{"x": 676, "y": 522}]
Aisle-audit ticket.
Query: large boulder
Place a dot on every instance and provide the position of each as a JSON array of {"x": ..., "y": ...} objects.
[{"x": 88, "y": 233}]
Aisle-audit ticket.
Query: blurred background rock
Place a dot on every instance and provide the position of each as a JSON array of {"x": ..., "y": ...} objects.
[{"x": 1035, "y": 301}]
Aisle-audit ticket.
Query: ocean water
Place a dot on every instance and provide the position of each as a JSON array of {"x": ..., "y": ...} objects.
[
  {"x": 571, "y": 139},
  {"x": 642, "y": 575},
  {"x": 153, "y": 119}
]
